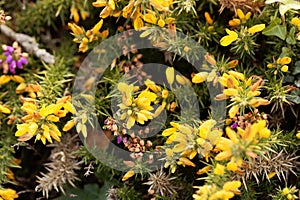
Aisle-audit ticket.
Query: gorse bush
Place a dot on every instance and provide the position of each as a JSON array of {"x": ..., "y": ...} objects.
[{"x": 200, "y": 99}]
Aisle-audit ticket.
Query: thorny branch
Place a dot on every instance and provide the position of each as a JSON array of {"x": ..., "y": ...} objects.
[{"x": 29, "y": 44}]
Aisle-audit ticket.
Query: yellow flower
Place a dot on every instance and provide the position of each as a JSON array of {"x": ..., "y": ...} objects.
[
  {"x": 97, "y": 27},
  {"x": 219, "y": 170},
  {"x": 230, "y": 92},
  {"x": 170, "y": 75},
  {"x": 74, "y": 12},
  {"x": 228, "y": 39},
  {"x": 232, "y": 186},
  {"x": 204, "y": 170},
  {"x": 199, "y": 77},
  {"x": 296, "y": 21},
  {"x": 232, "y": 166},
  {"x": 234, "y": 22},
  {"x": 151, "y": 84},
  {"x": 70, "y": 124},
  {"x": 271, "y": 174},
  {"x": 184, "y": 161},
  {"x": 161, "y": 5},
  {"x": 138, "y": 23},
  {"x": 285, "y": 191},
  {"x": 100, "y": 3},
  {"x": 128, "y": 175},
  {"x": 256, "y": 28},
  {"x": 298, "y": 134},
  {"x": 242, "y": 16},
  {"x": 164, "y": 94},
  {"x": 4, "y": 79},
  {"x": 284, "y": 68},
  {"x": 233, "y": 111},
  {"x": 265, "y": 133},
  {"x": 76, "y": 29},
  {"x": 161, "y": 22},
  {"x": 285, "y": 60},
  {"x": 8, "y": 194},
  {"x": 4, "y": 109},
  {"x": 150, "y": 18},
  {"x": 237, "y": 75}
]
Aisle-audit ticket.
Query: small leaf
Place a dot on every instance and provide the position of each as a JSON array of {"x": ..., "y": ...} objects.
[
  {"x": 297, "y": 68},
  {"x": 276, "y": 30},
  {"x": 290, "y": 39}
]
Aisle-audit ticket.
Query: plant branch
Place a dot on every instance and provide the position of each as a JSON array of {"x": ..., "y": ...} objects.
[{"x": 28, "y": 43}]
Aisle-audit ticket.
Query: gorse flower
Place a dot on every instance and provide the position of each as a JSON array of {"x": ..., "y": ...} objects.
[
  {"x": 241, "y": 143},
  {"x": 135, "y": 109},
  {"x": 228, "y": 39},
  {"x": 8, "y": 194},
  {"x": 40, "y": 121},
  {"x": 214, "y": 192},
  {"x": 245, "y": 35},
  {"x": 241, "y": 91},
  {"x": 187, "y": 141},
  {"x": 242, "y": 18}
]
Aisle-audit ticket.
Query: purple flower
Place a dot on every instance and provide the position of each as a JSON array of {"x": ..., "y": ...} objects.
[
  {"x": 234, "y": 125},
  {"x": 119, "y": 139},
  {"x": 9, "y": 58},
  {"x": 9, "y": 49},
  {"x": 22, "y": 61},
  {"x": 12, "y": 67}
]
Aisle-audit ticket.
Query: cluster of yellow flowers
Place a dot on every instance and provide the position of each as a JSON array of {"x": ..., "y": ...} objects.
[
  {"x": 8, "y": 194},
  {"x": 289, "y": 193},
  {"x": 135, "y": 109},
  {"x": 281, "y": 63},
  {"x": 39, "y": 120},
  {"x": 189, "y": 141},
  {"x": 139, "y": 12},
  {"x": 244, "y": 31},
  {"x": 243, "y": 92},
  {"x": 241, "y": 143},
  {"x": 214, "y": 192},
  {"x": 84, "y": 37},
  {"x": 242, "y": 18}
]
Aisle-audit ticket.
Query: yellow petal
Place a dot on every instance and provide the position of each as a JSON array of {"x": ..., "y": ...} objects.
[
  {"x": 208, "y": 18},
  {"x": 4, "y": 109},
  {"x": 70, "y": 124},
  {"x": 105, "y": 12},
  {"x": 256, "y": 28},
  {"x": 231, "y": 185},
  {"x": 228, "y": 39},
  {"x": 150, "y": 18},
  {"x": 97, "y": 27},
  {"x": 161, "y": 23},
  {"x": 130, "y": 122},
  {"x": 284, "y": 68},
  {"x": 69, "y": 107},
  {"x": 219, "y": 169},
  {"x": 230, "y": 92},
  {"x": 200, "y": 77},
  {"x": 170, "y": 75},
  {"x": 99, "y": 3},
  {"x": 4, "y": 79},
  {"x": 128, "y": 175},
  {"x": 240, "y": 14},
  {"x": 234, "y": 22},
  {"x": 233, "y": 111},
  {"x": 138, "y": 23},
  {"x": 186, "y": 161}
]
